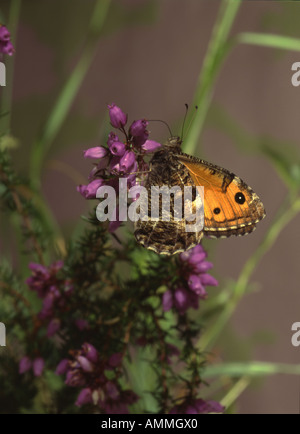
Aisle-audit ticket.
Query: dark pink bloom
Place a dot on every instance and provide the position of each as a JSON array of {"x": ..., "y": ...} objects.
[
  {"x": 184, "y": 299},
  {"x": 118, "y": 118},
  {"x": 81, "y": 324},
  {"x": 43, "y": 278},
  {"x": 127, "y": 161},
  {"x": 89, "y": 191},
  {"x": 167, "y": 300},
  {"x": 117, "y": 148},
  {"x": 24, "y": 365},
  {"x": 90, "y": 352},
  {"x": 6, "y": 47},
  {"x": 62, "y": 367},
  {"x": 84, "y": 397},
  {"x": 38, "y": 366},
  {"x": 208, "y": 406},
  {"x": 195, "y": 285},
  {"x": 197, "y": 406},
  {"x": 115, "y": 360},
  {"x": 4, "y": 34},
  {"x": 112, "y": 138},
  {"x": 53, "y": 327},
  {"x": 97, "y": 152},
  {"x": 138, "y": 128},
  {"x": 86, "y": 365},
  {"x": 150, "y": 146}
]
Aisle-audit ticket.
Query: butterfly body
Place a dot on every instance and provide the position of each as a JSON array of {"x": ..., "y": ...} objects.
[{"x": 230, "y": 206}]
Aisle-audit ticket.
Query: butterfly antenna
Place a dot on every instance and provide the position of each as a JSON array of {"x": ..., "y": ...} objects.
[
  {"x": 159, "y": 120},
  {"x": 184, "y": 119},
  {"x": 193, "y": 117}
]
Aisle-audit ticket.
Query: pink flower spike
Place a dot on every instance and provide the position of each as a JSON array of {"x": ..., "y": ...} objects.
[
  {"x": 118, "y": 118},
  {"x": 96, "y": 152}
]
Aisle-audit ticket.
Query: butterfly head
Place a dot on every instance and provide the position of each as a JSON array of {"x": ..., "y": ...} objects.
[{"x": 173, "y": 142}]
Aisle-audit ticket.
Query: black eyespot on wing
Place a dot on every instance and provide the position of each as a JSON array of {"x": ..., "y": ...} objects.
[
  {"x": 240, "y": 198},
  {"x": 217, "y": 211}
]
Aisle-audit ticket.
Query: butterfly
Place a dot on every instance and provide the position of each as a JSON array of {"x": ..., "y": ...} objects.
[{"x": 230, "y": 206}]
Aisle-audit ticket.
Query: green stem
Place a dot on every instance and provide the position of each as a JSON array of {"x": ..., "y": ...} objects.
[
  {"x": 211, "y": 66},
  {"x": 6, "y": 99},
  {"x": 235, "y": 392},
  {"x": 284, "y": 216},
  {"x": 68, "y": 93}
]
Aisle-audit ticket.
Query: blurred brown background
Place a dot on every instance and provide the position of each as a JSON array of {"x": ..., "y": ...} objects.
[{"x": 150, "y": 69}]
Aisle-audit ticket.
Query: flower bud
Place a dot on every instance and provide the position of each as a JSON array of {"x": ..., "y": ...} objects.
[{"x": 117, "y": 117}]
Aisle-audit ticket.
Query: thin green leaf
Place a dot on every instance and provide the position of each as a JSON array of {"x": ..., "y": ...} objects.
[
  {"x": 269, "y": 40},
  {"x": 252, "y": 369}
]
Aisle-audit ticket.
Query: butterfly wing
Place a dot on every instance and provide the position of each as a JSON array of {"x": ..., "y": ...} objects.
[
  {"x": 160, "y": 235},
  {"x": 230, "y": 206}
]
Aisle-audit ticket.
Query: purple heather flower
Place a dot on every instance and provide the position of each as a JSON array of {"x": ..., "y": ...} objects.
[
  {"x": 89, "y": 191},
  {"x": 138, "y": 128},
  {"x": 90, "y": 352},
  {"x": 96, "y": 152},
  {"x": 6, "y": 47},
  {"x": 115, "y": 360},
  {"x": 150, "y": 146},
  {"x": 195, "y": 285},
  {"x": 38, "y": 366},
  {"x": 127, "y": 161},
  {"x": 43, "y": 278},
  {"x": 81, "y": 324},
  {"x": 86, "y": 365},
  {"x": 53, "y": 327},
  {"x": 167, "y": 300},
  {"x": 182, "y": 299},
  {"x": 24, "y": 365},
  {"x": 197, "y": 406},
  {"x": 84, "y": 397},
  {"x": 62, "y": 367},
  {"x": 111, "y": 390},
  {"x": 117, "y": 148},
  {"x": 118, "y": 118},
  {"x": 115, "y": 164},
  {"x": 112, "y": 138},
  {"x": 4, "y": 34},
  {"x": 208, "y": 406}
]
